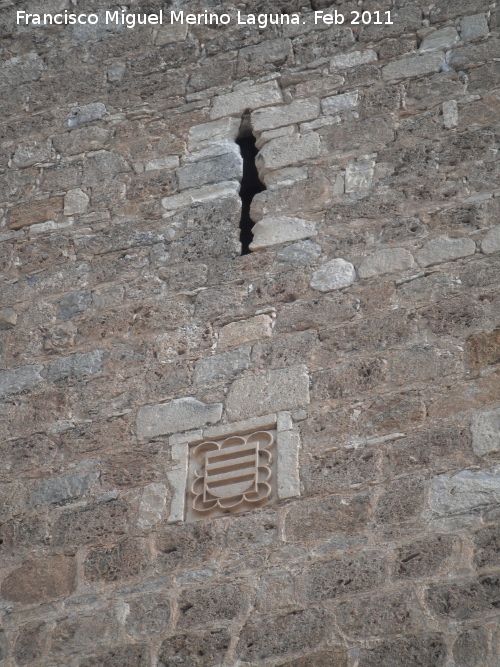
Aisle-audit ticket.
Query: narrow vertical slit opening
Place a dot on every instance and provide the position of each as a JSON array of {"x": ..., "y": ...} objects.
[{"x": 250, "y": 183}]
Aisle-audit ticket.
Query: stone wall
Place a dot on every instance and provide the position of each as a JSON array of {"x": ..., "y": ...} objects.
[{"x": 367, "y": 320}]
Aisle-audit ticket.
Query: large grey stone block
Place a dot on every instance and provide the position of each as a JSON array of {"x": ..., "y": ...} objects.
[
  {"x": 388, "y": 260},
  {"x": 353, "y": 59},
  {"x": 285, "y": 151},
  {"x": 225, "y": 167},
  {"x": 17, "y": 379},
  {"x": 287, "y": 114},
  {"x": 76, "y": 365},
  {"x": 485, "y": 429},
  {"x": 473, "y": 27},
  {"x": 181, "y": 414},
  {"x": 335, "y": 274},
  {"x": 272, "y": 231},
  {"x": 444, "y": 249},
  {"x": 63, "y": 488},
  {"x": 491, "y": 242},
  {"x": 221, "y": 367},
  {"x": 32, "y": 153},
  {"x": 284, "y": 389},
  {"x": 217, "y": 131},
  {"x": 335, "y": 104},
  {"x": 465, "y": 491},
  {"x": 208, "y": 192},
  {"x": 246, "y": 97},
  {"x": 414, "y": 66},
  {"x": 86, "y": 113},
  {"x": 439, "y": 40}
]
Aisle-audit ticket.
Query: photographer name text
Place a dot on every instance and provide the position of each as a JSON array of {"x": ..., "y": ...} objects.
[{"x": 261, "y": 21}]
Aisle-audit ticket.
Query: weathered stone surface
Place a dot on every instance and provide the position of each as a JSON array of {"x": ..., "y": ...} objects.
[
  {"x": 491, "y": 242},
  {"x": 209, "y": 134},
  {"x": 487, "y": 547},
  {"x": 76, "y": 365},
  {"x": 245, "y": 331},
  {"x": 359, "y": 176},
  {"x": 338, "y": 103},
  {"x": 385, "y": 261},
  {"x": 445, "y": 249},
  {"x": 32, "y": 153},
  {"x": 152, "y": 505},
  {"x": 450, "y": 114},
  {"x": 425, "y": 557},
  {"x": 76, "y": 202},
  {"x": 246, "y": 97},
  {"x": 471, "y": 648},
  {"x": 127, "y": 559},
  {"x": 353, "y": 59},
  {"x": 285, "y": 151},
  {"x": 18, "y": 379},
  {"x": 277, "y": 636},
  {"x": 80, "y": 140},
  {"x": 190, "y": 197},
  {"x": 35, "y": 212},
  {"x": 86, "y": 113},
  {"x": 284, "y": 389},
  {"x": 181, "y": 414},
  {"x": 466, "y": 491},
  {"x": 439, "y": 40},
  {"x": 147, "y": 615},
  {"x": 328, "y": 658},
  {"x": 59, "y": 489},
  {"x": 8, "y": 319},
  {"x": 221, "y": 367},
  {"x": 421, "y": 650},
  {"x": 30, "y": 643},
  {"x": 198, "y": 649},
  {"x": 212, "y": 604},
  {"x": 335, "y": 274},
  {"x": 131, "y": 655},
  {"x": 472, "y": 27},
  {"x": 485, "y": 428},
  {"x": 296, "y": 112},
  {"x": 273, "y": 231},
  {"x": 413, "y": 66},
  {"x": 225, "y": 167},
  {"x": 40, "y": 579},
  {"x": 303, "y": 253}
]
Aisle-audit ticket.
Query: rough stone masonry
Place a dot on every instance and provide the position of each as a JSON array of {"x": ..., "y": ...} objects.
[{"x": 364, "y": 327}]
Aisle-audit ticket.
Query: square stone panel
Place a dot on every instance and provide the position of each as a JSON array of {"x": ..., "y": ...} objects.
[{"x": 231, "y": 475}]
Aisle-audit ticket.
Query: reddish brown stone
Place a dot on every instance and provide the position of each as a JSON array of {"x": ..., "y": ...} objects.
[
  {"x": 35, "y": 212},
  {"x": 40, "y": 579}
]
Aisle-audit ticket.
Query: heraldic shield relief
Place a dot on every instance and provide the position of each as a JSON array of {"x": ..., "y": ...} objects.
[{"x": 232, "y": 475}]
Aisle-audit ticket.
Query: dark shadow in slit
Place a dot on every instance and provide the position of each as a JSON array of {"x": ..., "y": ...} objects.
[{"x": 250, "y": 183}]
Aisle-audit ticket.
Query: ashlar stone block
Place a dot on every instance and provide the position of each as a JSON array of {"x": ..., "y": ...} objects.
[
  {"x": 287, "y": 151},
  {"x": 439, "y": 40},
  {"x": 245, "y": 331},
  {"x": 76, "y": 202},
  {"x": 466, "y": 491},
  {"x": 273, "y": 231},
  {"x": 473, "y": 27},
  {"x": 227, "y": 166},
  {"x": 353, "y": 59},
  {"x": 336, "y": 104},
  {"x": 181, "y": 414},
  {"x": 406, "y": 68},
  {"x": 389, "y": 260},
  {"x": 491, "y": 242},
  {"x": 445, "y": 249},
  {"x": 485, "y": 429},
  {"x": 333, "y": 275},
  {"x": 296, "y": 112},
  {"x": 246, "y": 97},
  {"x": 283, "y": 389}
]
